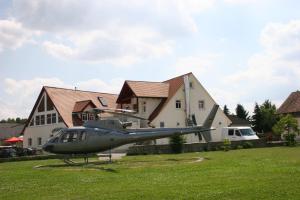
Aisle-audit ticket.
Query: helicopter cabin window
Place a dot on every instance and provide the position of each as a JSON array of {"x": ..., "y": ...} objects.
[
  {"x": 50, "y": 105},
  {"x": 103, "y": 101},
  {"x": 41, "y": 107},
  {"x": 82, "y": 136},
  {"x": 42, "y": 119},
  {"x": 178, "y": 104}
]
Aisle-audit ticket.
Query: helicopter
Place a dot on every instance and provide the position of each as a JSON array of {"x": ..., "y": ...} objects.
[{"x": 105, "y": 134}]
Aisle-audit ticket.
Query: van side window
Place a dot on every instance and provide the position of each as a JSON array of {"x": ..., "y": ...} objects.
[
  {"x": 237, "y": 133},
  {"x": 230, "y": 131}
]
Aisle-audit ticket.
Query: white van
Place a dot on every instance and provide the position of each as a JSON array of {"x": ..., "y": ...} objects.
[{"x": 238, "y": 133}]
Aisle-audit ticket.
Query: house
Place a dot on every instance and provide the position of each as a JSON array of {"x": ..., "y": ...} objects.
[
  {"x": 291, "y": 106},
  {"x": 172, "y": 103},
  {"x": 60, "y": 107}
]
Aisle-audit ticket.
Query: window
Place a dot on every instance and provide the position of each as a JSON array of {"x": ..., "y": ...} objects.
[
  {"x": 82, "y": 136},
  {"x": 144, "y": 106},
  {"x": 39, "y": 141},
  {"x": 191, "y": 85},
  {"x": 53, "y": 118},
  {"x": 48, "y": 118},
  {"x": 162, "y": 124},
  {"x": 177, "y": 124},
  {"x": 201, "y": 104},
  {"x": 237, "y": 133},
  {"x": 50, "y": 105},
  {"x": 84, "y": 116},
  {"x": 102, "y": 101},
  {"x": 230, "y": 131},
  {"x": 91, "y": 117},
  {"x": 178, "y": 104},
  {"x": 29, "y": 142},
  {"x": 37, "y": 120},
  {"x": 42, "y": 119},
  {"x": 41, "y": 107}
]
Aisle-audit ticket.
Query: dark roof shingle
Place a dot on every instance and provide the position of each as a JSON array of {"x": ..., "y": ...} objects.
[{"x": 291, "y": 104}]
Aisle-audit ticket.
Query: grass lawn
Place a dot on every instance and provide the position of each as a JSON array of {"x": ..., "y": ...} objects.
[{"x": 267, "y": 173}]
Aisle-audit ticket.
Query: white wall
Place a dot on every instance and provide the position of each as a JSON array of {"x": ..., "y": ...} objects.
[{"x": 171, "y": 116}]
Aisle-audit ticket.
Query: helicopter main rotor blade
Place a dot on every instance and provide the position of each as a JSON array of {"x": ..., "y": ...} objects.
[{"x": 125, "y": 114}]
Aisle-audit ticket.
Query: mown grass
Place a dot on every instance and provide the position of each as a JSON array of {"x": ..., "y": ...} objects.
[{"x": 269, "y": 173}]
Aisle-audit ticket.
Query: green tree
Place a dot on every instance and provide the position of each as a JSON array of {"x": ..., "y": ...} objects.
[
  {"x": 176, "y": 143},
  {"x": 288, "y": 127},
  {"x": 241, "y": 112},
  {"x": 268, "y": 116},
  {"x": 257, "y": 119},
  {"x": 226, "y": 110}
]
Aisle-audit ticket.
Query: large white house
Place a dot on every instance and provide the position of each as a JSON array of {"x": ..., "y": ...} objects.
[{"x": 171, "y": 103}]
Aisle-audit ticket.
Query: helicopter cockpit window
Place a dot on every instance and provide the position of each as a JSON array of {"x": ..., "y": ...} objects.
[
  {"x": 82, "y": 136},
  {"x": 70, "y": 136}
]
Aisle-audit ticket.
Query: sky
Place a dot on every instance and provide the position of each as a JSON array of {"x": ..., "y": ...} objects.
[{"x": 241, "y": 51}]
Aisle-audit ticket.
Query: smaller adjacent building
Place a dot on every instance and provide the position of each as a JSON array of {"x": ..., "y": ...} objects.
[{"x": 291, "y": 106}]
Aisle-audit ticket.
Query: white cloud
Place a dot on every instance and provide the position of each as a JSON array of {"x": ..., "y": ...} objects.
[
  {"x": 13, "y": 34},
  {"x": 116, "y": 32},
  {"x": 241, "y": 1},
  {"x": 198, "y": 64},
  {"x": 20, "y": 95},
  {"x": 270, "y": 74}
]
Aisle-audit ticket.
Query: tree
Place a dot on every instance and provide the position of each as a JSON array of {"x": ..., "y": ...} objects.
[
  {"x": 268, "y": 114},
  {"x": 241, "y": 112},
  {"x": 257, "y": 119},
  {"x": 226, "y": 110},
  {"x": 176, "y": 143},
  {"x": 288, "y": 126}
]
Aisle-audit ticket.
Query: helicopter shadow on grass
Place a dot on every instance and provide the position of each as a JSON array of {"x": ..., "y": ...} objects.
[{"x": 96, "y": 165}]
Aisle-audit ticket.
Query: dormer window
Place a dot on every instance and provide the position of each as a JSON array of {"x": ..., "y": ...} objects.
[{"x": 103, "y": 101}]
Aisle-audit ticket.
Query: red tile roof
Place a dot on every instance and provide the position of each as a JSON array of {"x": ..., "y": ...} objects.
[
  {"x": 81, "y": 105},
  {"x": 149, "y": 89},
  {"x": 64, "y": 101},
  {"x": 174, "y": 85},
  {"x": 291, "y": 104}
]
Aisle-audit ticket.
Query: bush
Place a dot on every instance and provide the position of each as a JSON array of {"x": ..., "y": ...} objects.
[
  {"x": 247, "y": 145},
  {"x": 176, "y": 143},
  {"x": 290, "y": 139},
  {"x": 226, "y": 145},
  {"x": 239, "y": 147}
]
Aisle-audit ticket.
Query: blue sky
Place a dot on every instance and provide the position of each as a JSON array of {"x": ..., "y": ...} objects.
[{"x": 242, "y": 51}]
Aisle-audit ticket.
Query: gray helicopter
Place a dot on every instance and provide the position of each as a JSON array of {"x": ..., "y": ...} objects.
[{"x": 105, "y": 134}]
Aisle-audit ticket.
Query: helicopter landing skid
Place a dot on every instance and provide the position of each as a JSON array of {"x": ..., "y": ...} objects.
[{"x": 69, "y": 161}]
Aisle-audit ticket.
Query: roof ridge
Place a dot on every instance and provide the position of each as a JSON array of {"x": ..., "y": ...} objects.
[
  {"x": 177, "y": 77},
  {"x": 45, "y": 86},
  {"x": 144, "y": 81}
]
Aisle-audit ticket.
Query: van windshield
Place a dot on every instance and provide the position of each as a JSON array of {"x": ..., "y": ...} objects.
[{"x": 247, "y": 132}]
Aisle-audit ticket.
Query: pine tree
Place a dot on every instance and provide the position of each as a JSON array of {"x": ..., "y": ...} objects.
[
  {"x": 226, "y": 110},
  {"x": 257, "y": 119},
  {"x": 241, "y": 112}
]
